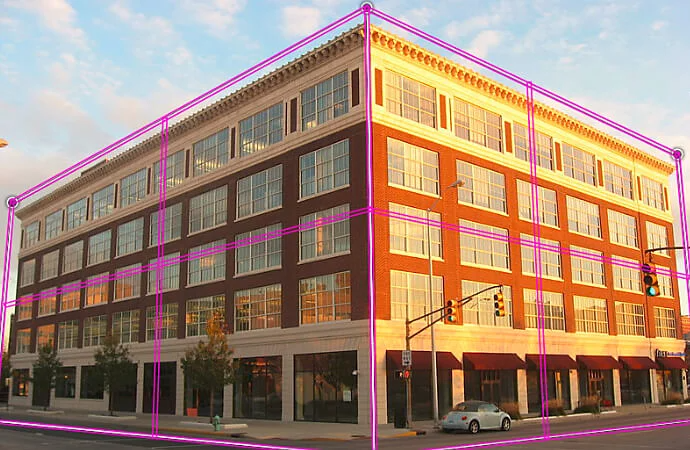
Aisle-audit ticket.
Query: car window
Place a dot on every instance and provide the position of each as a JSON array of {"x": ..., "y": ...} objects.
[
  {"x": 485, "y": 408},
  {"x": 469, "y": 407}
]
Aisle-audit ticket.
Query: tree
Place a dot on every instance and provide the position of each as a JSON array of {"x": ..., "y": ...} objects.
[
  {"x": 45, "y": 369},
  {"x": 113, "y": 365},
  {"x": 209, "y": 365}
]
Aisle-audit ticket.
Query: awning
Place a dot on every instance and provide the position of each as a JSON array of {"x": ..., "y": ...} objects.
[
  {"x": 671, "y": 362},
  {"x": 598, "y": 362},
  {"x": 637, "y": 362},
  {"x": 493, "y": 361},
  {"x": 420, "y": 359},
  {"x": 553, "y": 362}
]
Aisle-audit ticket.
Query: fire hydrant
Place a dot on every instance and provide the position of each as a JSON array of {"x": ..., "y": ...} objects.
[{"x": 216, "y": 423}]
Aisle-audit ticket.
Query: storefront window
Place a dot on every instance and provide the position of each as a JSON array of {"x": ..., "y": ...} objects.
[
  {"x": 635, "y": 387},
  {"x": 558, "y": 382},
  {"x": 20, "y": 383},
  {"x": 258, "y": 390},
  {"x": 494, "y": 386},
  {"x": 65, "y": 382},
  {"x": 668, "y": 384},
  {"x": 597, "y": 383},
  {"x": 91, "y": 383}
]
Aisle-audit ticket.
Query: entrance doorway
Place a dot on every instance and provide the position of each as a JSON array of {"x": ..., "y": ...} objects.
[{"x": 168, "y": 380}]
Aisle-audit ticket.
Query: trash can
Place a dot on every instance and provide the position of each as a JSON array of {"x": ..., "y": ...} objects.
[{"x": 399, "y": 412}]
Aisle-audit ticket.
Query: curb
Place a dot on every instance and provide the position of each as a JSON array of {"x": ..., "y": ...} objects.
[
  {"x": 534, "y": 419},
  {"x": 204, "y": 432}
]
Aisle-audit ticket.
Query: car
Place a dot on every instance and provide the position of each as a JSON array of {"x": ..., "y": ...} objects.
[{"x": 473, "y": 416}]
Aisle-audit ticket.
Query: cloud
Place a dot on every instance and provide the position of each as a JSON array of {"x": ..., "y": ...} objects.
[
  {"x": 153, "y": 25},
  {"x": 299, "y": 21},
  {"x": 499, "y": 13},
  {"x": 56, "y": 15},
  {"x": 217, "y": 16},
  {"x": 418, "y": 17},
  {"x": 484, "y": 42},
  {"x": 659, "y": 25}
]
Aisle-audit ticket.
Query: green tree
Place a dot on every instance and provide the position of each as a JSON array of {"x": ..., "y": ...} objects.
[
  {"x": 113, "y": 366},
  {"x": 45, "y": 369},
  {"x": 209, "y": 365}
]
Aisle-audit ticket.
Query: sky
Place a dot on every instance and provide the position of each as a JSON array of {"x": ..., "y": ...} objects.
[{"x": 76, "y": 75}]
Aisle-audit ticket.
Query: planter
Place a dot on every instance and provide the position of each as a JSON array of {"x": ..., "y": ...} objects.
[{"x": 192, "y": 412}]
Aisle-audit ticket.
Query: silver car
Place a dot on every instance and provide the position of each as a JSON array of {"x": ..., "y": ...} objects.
[{"x": 473, "y": 416}]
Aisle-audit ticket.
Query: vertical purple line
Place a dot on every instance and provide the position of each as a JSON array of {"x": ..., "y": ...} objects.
[
  {"x": 683, "y": 221},
  {"x": 6, "y": 273},
  {"x": 536, "y": 229},
  {"x": 366, "y": 8}
]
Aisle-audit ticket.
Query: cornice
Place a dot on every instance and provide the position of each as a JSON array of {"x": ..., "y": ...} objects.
[{"x": 480, "y": 83}]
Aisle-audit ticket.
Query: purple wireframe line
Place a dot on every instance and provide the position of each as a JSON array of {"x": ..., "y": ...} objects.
[
  {"x": 373, "y": 405},
  {"x": 133, "y": 434},
  {"x": 6, "y": 276},
  {"x": 458, "y": 51},
  {"x": 684, "y": 231}
]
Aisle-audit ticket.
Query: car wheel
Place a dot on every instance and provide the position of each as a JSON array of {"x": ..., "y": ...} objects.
[
  {"x": 444, "y": 430},
  {"x": 473, "y": 427},
  {"x": 505, "y": 424}
]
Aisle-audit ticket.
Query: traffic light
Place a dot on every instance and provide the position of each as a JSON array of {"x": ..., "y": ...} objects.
[
  {"x": 499, "y": 305},
  {"x": 651, "y": 282},
  {"x": 399, "y": 374},
  {"x": 450, "y": 313}
]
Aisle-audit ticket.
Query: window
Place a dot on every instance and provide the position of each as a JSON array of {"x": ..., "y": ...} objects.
[
  {"x": 99, "y": 248},
  {"x": 413, "y": 288},
  {"x": 76, "y": 214},
  {"x": 325, "y": 169},
  {"x": 579, "y": 164},
  {"x": 484, "y": 251},
  {"x": 171, "y": 273},
  {"x": 68, "y": 334},
  {"x": 53, "y": 224},
  {"x": 554, "y": 312},
  {"x": 548, "y": 205},
  {"x": 261, "y": 130},
  {"x": 583, "y": 217},
  {"x": 665, "y": 282},
  {"x": 259, "y": 255},
  {"x": 657, "y": 237},
  {"x": 325, "y": 101},
  {"x": 47, "y": 303},
  {"x": 20, "y": 382},
  {"x": 25, "y": 307},
  {"x": 258, "y": 308},
  {"x": 168, "y": 328},
  {"x": 128, "y": 286},
  {"x": 73, "y": 257},
  {"x": 591, "y": 315},
  {"x": 630, "y": 319},
  {"x": 544, "y": 146},
  {"x": 210, "y": 153},
  {"x": 550, "y": 258},
  {"x": 133, "y": 188},
  {"x": 624, "y": 278},
  {"x": 32, "y": 234},
  {"x": 91, "y": 383},
  {"x": 174, "y": 171},
  {"x": 200, "y": 310},
  {"x": 209, "y": 268},
  {"x": 478, "y": 125},
  {"x": 327, "y": 239},
  {"x": 589, "y": 268},
  {"x": 95, "y": 329},
  {"x": 481, "y": 311},
  {"x": 483, "y": 187},
  {"x": 172, "y": 225},
  {"x": 45, "y": 336},
  {"x": 49, "y": 265},
  {"x": 28, "y": 273},
  {"x": 103, "y": 202},
  {"x": 618, "y": 180},
  {"x": 325, "y": 298},
  {"x": 130, "y": 237},
  {"x": 665, "y": 322},
  {"x": 208, "y": 210},
  {"x": 125, "y": 327},
  {"x": 70, "y": 298},
  {"x": 24, "y": 341},
  {"x": 260, "y": 192},
  {"x": 652, "y": 193},
  {"x": 66, "y": 382},
  {"x": 412, "y": 167},
  {"x": 97, "y": 294},
  {"x": 410, "y": 99},
  {"x": 409, "y": 237},
  {"x": 622, "y": 229}
]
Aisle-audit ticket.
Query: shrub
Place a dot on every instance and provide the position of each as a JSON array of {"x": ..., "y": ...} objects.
[
  {"x": 556, "y": 408},
  {"x": 673, "y": 398},
  {"x": 513, "y": 410},
  {"x": 589, "y": 405},
  {"x": 687, "y": 400}
]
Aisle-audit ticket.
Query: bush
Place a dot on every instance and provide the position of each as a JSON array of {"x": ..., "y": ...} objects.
[
  {"x": 673, "y": 398},
  {"x": 556, "y": 408},
  {"x": 687, "y": 400},
  {"x": 513, "y": 410},
  {"x": 589, "y": 405}
]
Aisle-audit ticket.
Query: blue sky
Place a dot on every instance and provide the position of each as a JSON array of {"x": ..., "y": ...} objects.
[{"x": 78, "y": 75}]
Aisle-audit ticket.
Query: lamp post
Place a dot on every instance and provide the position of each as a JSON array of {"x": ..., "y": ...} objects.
[{"x": 434, "y": 369}]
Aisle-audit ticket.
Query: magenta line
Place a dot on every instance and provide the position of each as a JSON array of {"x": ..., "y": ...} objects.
[
  {"x": 373, "y": 405},
  {"x": 684, "y": 231},
  {"x": 131, "y": 434},
  {"x": 7, "y": 260}
]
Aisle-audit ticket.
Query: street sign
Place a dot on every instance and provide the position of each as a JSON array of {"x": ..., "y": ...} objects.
[{"x": 407, "y": 358}]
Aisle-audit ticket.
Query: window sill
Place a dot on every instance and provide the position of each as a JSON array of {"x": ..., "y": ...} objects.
[
  {"x": 94, "y": 305},
  {"x": 118, "y": 300},
  {"x": 482, "y": 266},
  {"x": 249, "y": 216},
  {"x": 578, "y": 233},
  {"x": 416, "y": 191},
  {"x": 163, "y": 291},
  {"x": 203, "y": 283},
  {"x": 194, "y": 233},
  {"x": 545, "y": 277},
  {"x": 553, "y": 227},
  {"x": 318, "y": 194},
  {"x": 415, "y": 255},
  {"x": 166, "y": 242},
  {"x": 326, "y": 322},
  {"x": 68, "y": 310},
  {"x": 323, "y": 257},
  {"x": 483, "y": 208},
  {"x": 584, "y": 283},
  {"x": 629, "y": 291},
  {"x": 258, "y": 271}
]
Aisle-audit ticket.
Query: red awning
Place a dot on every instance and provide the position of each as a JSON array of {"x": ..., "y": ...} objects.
[
  {"x": 671, "y": 362},
  {"x": 493, "y": 361},
  {"x": 553, "y": 362},
  {"x": 598, "y": 362},
  {"x": 637, "y": 362},
  {"x": 444, "y": 360}
]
